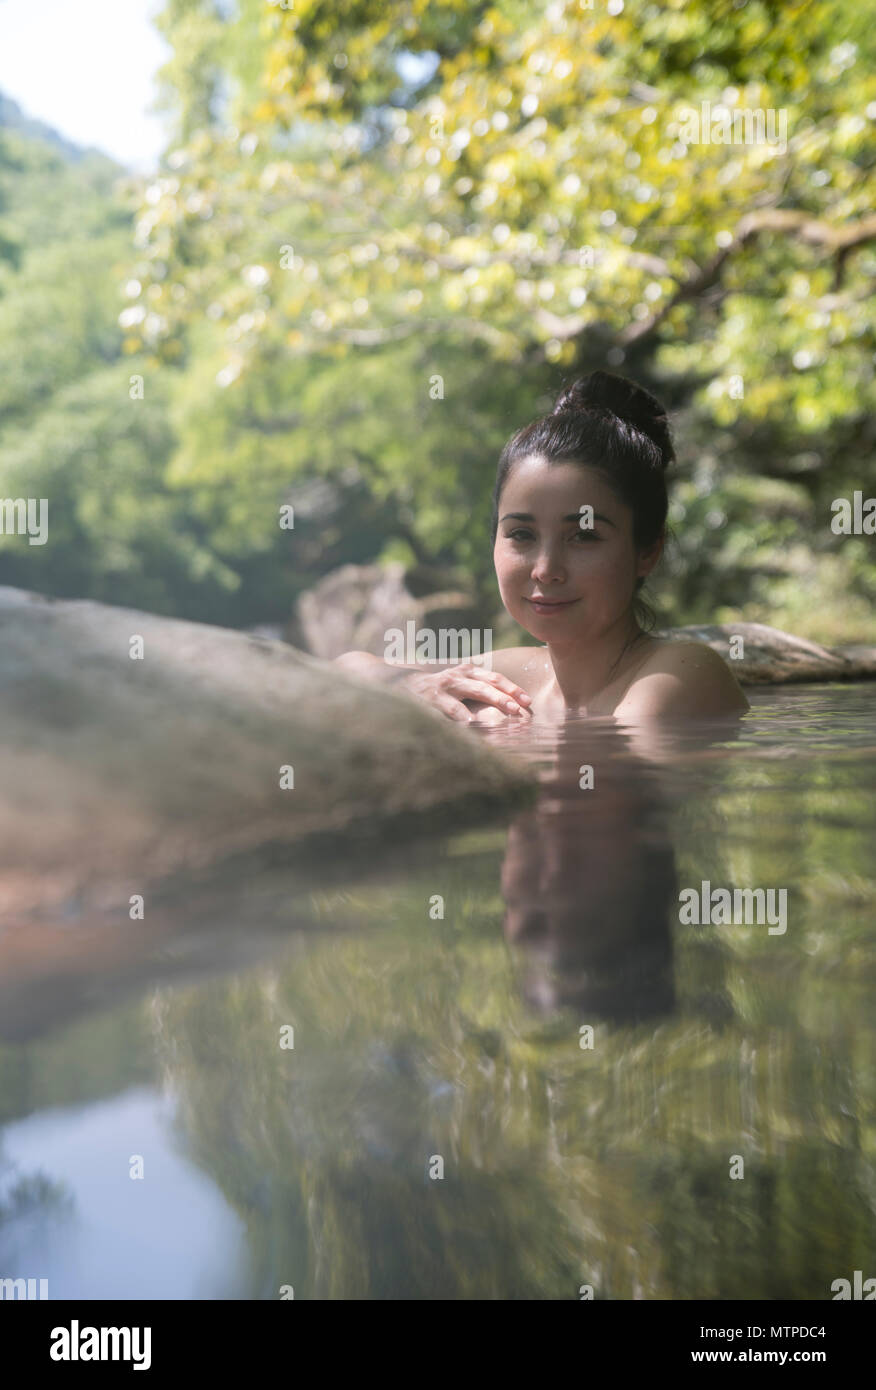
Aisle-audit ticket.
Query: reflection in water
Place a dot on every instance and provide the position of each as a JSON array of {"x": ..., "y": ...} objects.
[
  {"x": 97, "y": 1232},
  {"x": 589, "y": 883},
  {"x": 32, "y": 1209},
  {"x": 426, "y": 1044}
]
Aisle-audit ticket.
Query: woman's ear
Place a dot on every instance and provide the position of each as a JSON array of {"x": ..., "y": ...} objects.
[{"x": 648, "y": 557}]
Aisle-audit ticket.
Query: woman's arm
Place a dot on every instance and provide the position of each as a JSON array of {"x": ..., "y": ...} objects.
[{"x": 372, "y": 668}]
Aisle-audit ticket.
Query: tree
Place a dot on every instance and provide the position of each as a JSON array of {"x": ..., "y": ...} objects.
[{"x": 499, "y": 194}]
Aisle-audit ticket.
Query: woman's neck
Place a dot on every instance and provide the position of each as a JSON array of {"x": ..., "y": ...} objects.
[{"x": 583, "y": 670}]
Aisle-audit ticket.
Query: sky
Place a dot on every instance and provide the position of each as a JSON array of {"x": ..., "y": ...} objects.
[{"x": 86, "y": 68}]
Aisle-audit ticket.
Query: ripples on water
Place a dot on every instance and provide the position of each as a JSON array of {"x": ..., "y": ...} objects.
[{"x": 439, "y": 1008}]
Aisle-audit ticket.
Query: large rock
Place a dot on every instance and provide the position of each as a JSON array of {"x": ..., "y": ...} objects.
[
  {"x": 771, "y": 657},
  {"x": 117, "y": 771},
  {"x": 352, "y": 608}
]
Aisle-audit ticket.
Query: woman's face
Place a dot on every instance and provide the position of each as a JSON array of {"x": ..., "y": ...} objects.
[{"x": 560, "y": 580}]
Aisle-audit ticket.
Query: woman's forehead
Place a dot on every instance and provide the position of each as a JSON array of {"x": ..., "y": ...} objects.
[{"x": 553, "y": 484}]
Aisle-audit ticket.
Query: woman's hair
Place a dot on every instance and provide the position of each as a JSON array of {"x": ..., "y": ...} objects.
[{"x": 609, "y": 423}]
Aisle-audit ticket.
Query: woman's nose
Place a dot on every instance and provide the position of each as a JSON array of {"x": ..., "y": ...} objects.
[{"x": 548, "y": 568}]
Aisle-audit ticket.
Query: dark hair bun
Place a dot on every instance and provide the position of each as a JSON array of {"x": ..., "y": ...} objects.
[{"x": 603, "y": 391}]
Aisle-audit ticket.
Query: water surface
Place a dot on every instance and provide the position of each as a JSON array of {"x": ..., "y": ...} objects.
[{"x": 515, "y": 1073}]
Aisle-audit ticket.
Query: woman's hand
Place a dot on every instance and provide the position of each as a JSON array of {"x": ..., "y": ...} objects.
[
  {"x": 452, "y": 688},
  {"x": 467, "y": 692}
]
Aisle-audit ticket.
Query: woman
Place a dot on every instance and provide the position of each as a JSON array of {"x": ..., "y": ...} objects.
[{"x": 579, "y": 514}]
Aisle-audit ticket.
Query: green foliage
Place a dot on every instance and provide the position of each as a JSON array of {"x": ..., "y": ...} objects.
[
  {"x": 71, "y": 431},
  {"x": 385, "y": 232},
  {"x": 524, "y": 207}
]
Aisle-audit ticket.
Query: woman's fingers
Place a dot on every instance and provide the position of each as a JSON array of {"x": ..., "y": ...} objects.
[
  {"x": 499, "y": 681},
  {"x": 467, "y": 688},
  {"x": 487, "y": 714},
  {"x": 454, "y": 709},
  {"x": 446, "y": 689}
]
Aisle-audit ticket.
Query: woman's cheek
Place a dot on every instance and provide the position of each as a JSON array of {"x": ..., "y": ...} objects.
[
  {"x": 505, "y": 573},
  {"x": 509, "y": 598},
  {"x": 620, "y": 582}
]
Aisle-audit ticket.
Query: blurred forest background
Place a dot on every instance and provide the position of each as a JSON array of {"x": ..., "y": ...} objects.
[{"x": 383, "y": 233}]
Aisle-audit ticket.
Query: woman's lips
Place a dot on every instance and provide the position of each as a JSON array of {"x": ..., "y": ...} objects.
[{"x": 543, "y": 605}]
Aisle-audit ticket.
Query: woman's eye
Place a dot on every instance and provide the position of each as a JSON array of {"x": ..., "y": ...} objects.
[{"x": 522, "y": 537}]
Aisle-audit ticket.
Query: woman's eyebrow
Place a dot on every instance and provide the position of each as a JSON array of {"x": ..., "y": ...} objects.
[
  {"x": 597, "y": 516},
  {"x": 573, "y": 516}
]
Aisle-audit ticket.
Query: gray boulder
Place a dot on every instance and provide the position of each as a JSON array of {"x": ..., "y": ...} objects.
[
  {"x": 772, "y": 657},
  {"x": 352, "y": 608},
  {"x": 118, "y": 772}
]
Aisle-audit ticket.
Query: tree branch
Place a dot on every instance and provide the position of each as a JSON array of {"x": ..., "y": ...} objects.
[{"x": 839, "y": 242}]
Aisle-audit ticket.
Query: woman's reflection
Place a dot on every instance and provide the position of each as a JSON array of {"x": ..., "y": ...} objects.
[{"x": 589, "y": 886}]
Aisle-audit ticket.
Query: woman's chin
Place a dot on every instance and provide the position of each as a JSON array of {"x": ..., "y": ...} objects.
[{"x": 546, "y": 626}]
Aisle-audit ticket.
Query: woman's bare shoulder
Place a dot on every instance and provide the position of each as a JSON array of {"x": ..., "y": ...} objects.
[
  {"x": 684, "y": 678},
  {"x": 518, "y": 662}
]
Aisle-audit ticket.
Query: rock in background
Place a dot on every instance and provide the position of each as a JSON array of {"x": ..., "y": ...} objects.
[
  {"x": 771, "y": 657},
  {"x": 354, "y": 606}
]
